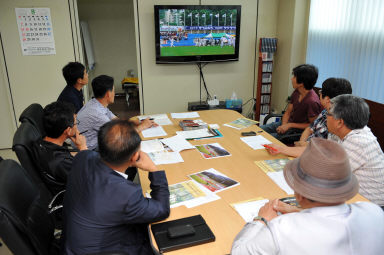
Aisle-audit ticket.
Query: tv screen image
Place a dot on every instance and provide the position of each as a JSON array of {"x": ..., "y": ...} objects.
[{"x": 197, "y": 33}]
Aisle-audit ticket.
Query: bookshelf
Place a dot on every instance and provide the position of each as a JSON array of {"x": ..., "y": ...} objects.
[{"x": 267, "y": 48}]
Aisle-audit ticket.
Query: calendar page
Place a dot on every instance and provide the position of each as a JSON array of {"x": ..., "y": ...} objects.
[{"x": 35, "y": 31}]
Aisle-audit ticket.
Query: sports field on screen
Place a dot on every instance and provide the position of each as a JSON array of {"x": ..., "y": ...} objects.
[{"x": 196, "y": 50}]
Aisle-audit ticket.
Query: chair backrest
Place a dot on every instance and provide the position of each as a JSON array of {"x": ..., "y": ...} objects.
[
  {"x": 23, "y": 139},
  {"x": 34, "y": 115},
  {"x": 25, "y": 225}
]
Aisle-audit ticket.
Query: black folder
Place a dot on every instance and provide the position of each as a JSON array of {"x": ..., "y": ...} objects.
[{"x": 182, "y": 233}]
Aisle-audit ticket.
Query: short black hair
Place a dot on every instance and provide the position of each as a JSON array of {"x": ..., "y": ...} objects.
[
  {"x": 101, "y": 84},
  {"x": 118, "y": 140},
  {"x": 333, "y": 87},
  {"x": 57, "y": 117},
  {"x": 306, "y": 74},
  {"x": 73, "y": 71}
]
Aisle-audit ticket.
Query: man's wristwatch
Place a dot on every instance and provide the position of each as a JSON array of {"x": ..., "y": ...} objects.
[{"x": 261, "y": 219}]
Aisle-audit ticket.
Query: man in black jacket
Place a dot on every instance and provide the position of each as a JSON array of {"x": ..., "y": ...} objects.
[
  {"x": 52, "y": 158},
  {"x": 104, "y": 211}
]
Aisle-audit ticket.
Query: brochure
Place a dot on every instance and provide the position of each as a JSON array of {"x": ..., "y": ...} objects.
[
  {"x": 213, "y": 180},
  {"x": 213, "y": 150},
  {"x": 241, "y": 123}
]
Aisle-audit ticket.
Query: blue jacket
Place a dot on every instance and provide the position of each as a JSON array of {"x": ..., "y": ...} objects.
[{"x": 105, "y": 212}]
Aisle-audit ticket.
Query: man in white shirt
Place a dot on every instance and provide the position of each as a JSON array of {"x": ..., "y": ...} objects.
[
  {"x": 322, "y": 180},
  {"x": 347, "y": 120}
]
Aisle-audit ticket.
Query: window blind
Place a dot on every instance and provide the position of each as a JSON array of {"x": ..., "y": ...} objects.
[{"x": 346, "y": 39}]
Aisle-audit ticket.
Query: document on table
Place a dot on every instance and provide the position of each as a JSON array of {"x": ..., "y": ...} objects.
[
  {"x": 165, "y": 157},
  {"x": 151, "y": 146},
  {"x": 177, "y": 143},
  {"x": 184, "y": 115},
  {"x": 153, "y": 132},
  {"x": 278, "y": 178},
  {"x": 193, "y": 134},
  {"x": 160, "y": 119},
  {"x": 248, "y": 210},
  {"x": 255, "y": 142},
  {"x": 188, "y": 193}
]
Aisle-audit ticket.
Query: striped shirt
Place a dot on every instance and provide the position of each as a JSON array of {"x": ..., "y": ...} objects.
[
  {"x": 91, "y": 117},
  {"x": 367, "y": 163}
]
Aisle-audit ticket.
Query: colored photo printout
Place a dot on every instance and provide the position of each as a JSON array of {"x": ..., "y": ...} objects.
[
  {"x": 213, "y": 180},
  {"x": 213, "y": 150}
]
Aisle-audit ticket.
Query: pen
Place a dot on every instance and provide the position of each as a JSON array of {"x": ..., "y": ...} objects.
[
  {"x": 269, "y": 147},
  {"x": 83, "y": 132}
]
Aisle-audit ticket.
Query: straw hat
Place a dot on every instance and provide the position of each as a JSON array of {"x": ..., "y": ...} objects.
[{"x": 322, "y": 173}]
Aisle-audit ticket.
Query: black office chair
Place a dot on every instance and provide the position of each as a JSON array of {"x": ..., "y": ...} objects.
[
  {"x": 34, "y": 115},
  {"x": 289, "y": 138},
  {"x": 26, "y": 227},
  {"x": 25, "y": 135}
]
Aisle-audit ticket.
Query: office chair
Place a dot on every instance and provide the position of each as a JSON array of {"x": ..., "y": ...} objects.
[
  {"x": 26, "y": 227},
  {"x": 290, "y": 138},
  {"x": 34, "y": 115},
  {"x": 25, "y": 135}
]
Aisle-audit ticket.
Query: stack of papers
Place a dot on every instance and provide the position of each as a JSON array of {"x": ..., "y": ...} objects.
[
  {"x": 160, "y": 119},
  {"x": 241, "y": 123},
  {"x": 248, "y": 210},
  {"x": 160, "y": 155},
  {"x": 153, "y": 132},
  {"x": 184, "y": 115},
  {"x": 165, "y": 157},
  {"x": 274, "y": 169},
  {"x": 189, "y": 194},
  {"x": 255, "y": 142},
  {"x": 194, "y": 134}
]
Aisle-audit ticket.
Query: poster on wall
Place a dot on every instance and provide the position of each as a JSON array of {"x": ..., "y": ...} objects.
[{"x": 35, "y": 31}]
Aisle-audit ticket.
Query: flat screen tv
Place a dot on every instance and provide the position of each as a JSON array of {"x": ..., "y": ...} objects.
[{"x": 197, "y": 33}]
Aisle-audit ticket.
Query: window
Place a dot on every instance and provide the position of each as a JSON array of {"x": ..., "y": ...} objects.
[{"x": 346, "y": 39}]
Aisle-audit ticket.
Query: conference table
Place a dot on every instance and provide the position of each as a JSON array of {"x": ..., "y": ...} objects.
[{"x": 223, "y": 220}]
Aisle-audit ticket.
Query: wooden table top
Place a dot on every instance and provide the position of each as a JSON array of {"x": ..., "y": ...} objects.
[{"x": 223, "y": 220}]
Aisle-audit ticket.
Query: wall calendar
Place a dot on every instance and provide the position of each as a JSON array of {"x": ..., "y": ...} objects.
[{"x": 35, "y": 31}]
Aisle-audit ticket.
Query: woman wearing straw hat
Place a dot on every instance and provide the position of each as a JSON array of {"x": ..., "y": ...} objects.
[{"x": 322, "y": 180}]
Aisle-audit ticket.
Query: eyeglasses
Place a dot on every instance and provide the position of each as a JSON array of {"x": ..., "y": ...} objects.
[
  {"x": 77, "y": 122},
  {"x": 329, "y": 114}
]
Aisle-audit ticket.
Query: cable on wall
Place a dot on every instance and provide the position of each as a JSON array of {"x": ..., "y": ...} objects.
[
  {"x": 200, "y": 66},
  {"x": 9, "y": 83}
]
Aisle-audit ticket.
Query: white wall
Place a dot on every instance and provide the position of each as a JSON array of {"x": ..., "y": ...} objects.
[
  {"x": 292, "y": 26},
  {"x": 112, "y": 28},
  {"x": 168, "y": 88},
  {"x": 8, "y": 121},
  {"x": 34, "y": 78}
]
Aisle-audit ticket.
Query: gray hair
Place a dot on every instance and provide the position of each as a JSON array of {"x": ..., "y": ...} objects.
[{"x": 353, "y": 110}]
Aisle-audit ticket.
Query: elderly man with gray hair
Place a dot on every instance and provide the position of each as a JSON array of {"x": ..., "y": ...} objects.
[
  {"x": 347, "y": 119},
  {"x": 323, "y": 181}
]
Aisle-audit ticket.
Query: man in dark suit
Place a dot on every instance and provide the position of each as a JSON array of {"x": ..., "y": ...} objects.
[{"x": 103, "y": 211}]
